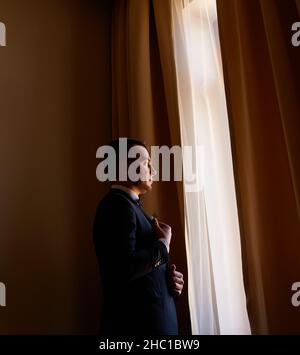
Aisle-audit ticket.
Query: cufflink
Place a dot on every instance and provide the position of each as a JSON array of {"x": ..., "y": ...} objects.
[{"x": 157, "y": 263}]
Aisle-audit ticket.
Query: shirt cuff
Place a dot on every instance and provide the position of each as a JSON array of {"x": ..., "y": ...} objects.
[{"x": 165, "y": 243}]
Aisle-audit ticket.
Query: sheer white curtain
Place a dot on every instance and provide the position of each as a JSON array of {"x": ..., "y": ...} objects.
[{"x": 216, "y": 292}]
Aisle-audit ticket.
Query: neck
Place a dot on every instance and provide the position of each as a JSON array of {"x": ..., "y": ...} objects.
[{"x": 129, "y": 186}]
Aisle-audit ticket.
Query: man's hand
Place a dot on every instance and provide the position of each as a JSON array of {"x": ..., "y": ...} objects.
[
  {"x": 163, "y": 232},
  {"x": 175, "y": 281}
]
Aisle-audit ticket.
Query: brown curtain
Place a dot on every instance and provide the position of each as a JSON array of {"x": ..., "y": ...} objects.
[
  {"x": 145, "y": 107},
  {"x": 262, "y": 79}
]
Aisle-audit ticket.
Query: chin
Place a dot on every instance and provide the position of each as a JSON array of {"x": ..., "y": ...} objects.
[{"x": 147, "y": 187}]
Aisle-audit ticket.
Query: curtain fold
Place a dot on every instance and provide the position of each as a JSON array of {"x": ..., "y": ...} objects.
[
  {"x": 262, "y": 80},
  {"x": 132, "y": 92},
  {"x": 216, "y": 292},
  {"x": 285, "y": 65},
  {"x": 163, "y": 22}
]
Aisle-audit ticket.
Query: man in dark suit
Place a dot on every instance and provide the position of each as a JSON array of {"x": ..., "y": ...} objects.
[{"x": 133, "y": 251}]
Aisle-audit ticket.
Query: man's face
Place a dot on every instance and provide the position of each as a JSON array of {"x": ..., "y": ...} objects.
[{"x": 146, "y": 170}]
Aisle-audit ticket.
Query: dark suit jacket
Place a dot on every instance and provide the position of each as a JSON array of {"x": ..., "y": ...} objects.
[{"x": 133, "y": 266}]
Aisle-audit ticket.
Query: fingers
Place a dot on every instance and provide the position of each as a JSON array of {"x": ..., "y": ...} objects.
[
  {"x": 177, "y": 280},
  {"x": 172, "y": 270},
  {"x": 177, "y": 287},
  {"x": 161, "y": 224},
  {"x": 172, "y": 267},
  {"x": 165, "y": 225},
  {"x": 166, "y": 230},
  {"x": 176, "y": 292},
  {"x": 155, "y": 222},
  {"x": 178, "y": 274}
]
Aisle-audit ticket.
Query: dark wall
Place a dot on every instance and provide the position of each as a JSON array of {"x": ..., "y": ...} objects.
[{"x": 55, "y": 110}]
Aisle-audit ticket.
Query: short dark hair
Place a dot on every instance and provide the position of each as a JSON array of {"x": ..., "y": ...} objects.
[{"x": 131, "y": 142}]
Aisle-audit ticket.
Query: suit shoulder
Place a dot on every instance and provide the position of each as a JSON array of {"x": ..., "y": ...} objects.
[
  {"x": 115, "y": 201},
  {"x": 113, "y": 208}
]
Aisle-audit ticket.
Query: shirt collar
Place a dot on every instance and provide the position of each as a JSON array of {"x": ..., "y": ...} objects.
[{"x": 131, "y": 193}]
